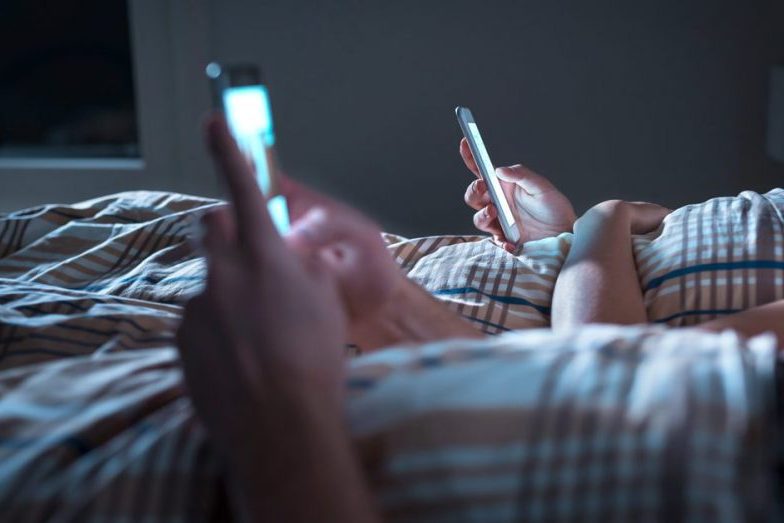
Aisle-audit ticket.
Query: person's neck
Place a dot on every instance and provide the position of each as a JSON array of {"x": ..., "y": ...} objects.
[{"x": 411, "y": 316}]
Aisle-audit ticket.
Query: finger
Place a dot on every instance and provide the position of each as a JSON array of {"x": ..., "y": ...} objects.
[
  {"x": 218, "y": 243},
  {"x": 253, "y": 222},
  {"x": 190, "y": 329},
  {"x": 500, "y": 240},
  {"x": 654, "y": 206},
  {"x": 218, "y": 227},
  {"x": 195, "y": 231},
  {"x": 646, "y": 217},
  {"x": 476, "y": 195},
  {"x": 468, "y": 158},
  {"x": 531, "y": 182},
  {"x": 199, "y": 337},
  {"x": 486, "y": 220},
  {"x": 183, "y": 329}
]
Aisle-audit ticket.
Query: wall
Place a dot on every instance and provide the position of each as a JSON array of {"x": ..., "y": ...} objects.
[{"x": 662, "y": 101}]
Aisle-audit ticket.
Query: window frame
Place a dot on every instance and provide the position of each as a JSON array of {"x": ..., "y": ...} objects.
[{"x": 169, "y": 45}]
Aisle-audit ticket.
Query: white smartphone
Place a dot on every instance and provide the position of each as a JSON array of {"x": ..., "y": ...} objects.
[
  {"x": 477, "y": 145},
  {"x": 239, "y": 91}
]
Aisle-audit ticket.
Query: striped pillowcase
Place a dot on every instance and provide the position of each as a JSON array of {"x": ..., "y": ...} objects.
[
  {"x": 714, "y": 258},
  {"x": 495, "y": 290},
  {"x": 705, "y": 261}
]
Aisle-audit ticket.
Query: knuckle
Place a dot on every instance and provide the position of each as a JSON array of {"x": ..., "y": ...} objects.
[
  {"x": 481, "y": 218},
  {"x": 475, "y": 196},
  {"x": 470, "y": 194},
  {"x": 478, "y": 220}
]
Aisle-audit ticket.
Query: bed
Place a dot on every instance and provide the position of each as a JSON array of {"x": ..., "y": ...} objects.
[{"x": 641, "y": 423}]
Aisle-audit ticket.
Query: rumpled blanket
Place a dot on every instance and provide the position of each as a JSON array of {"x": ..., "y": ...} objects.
[{"x": 644, "y": 423}]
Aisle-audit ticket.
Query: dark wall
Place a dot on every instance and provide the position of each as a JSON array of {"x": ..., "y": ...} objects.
[{"x": 663, "y": 101}]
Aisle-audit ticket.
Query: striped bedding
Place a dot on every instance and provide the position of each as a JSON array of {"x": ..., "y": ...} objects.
[
  {"x": 95, "y": 426},
  {"x": 602, "y": 424},
  {"x": 705, "y": 261}
]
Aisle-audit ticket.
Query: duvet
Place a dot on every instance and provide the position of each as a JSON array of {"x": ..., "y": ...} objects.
[{"x": 605, "y": 422}]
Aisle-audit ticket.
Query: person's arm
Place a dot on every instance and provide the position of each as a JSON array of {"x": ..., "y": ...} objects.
[
  {"x": 598, "y": 282},
  {"x": 765, "y": 318},
  {"x": 262, "y": 356},
  {"x": 298, "y": 465}
]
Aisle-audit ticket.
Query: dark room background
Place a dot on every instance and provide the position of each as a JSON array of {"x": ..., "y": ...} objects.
[
  {"x": 664, "y": 101},
  {"x": 67, "y": 79}
]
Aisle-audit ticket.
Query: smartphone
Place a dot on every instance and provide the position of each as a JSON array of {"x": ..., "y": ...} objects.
[
  {"x": 240, "y": 92},
  {"x": 486, "y": 169}
]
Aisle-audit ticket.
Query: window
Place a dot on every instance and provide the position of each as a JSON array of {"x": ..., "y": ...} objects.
[
  {"x": 66, "y": 80},
  {"x": 98, "y": 97}
]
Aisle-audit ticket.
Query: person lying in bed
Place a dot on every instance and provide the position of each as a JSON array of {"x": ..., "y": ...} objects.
[
  {"x": 262, "y": 346},
  {"x": 598, "y": 283}
]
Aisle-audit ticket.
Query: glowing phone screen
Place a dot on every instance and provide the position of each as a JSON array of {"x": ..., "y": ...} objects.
[{"x": 249, "y": 116}]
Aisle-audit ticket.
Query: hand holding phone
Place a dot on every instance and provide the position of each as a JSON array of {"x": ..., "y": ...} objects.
[
  {"x": 539, "y": 209},
  {"x": 240, "y": 92},
  {"x": 505, "y": 215}
]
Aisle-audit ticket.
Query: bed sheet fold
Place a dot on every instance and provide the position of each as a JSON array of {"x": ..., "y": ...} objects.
[{"x": 95, "y": 423}]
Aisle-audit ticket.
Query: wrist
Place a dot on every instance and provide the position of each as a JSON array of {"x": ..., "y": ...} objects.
[
  {"x": 308, "y": 456},
  {"x": 286, "y": 416}
]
